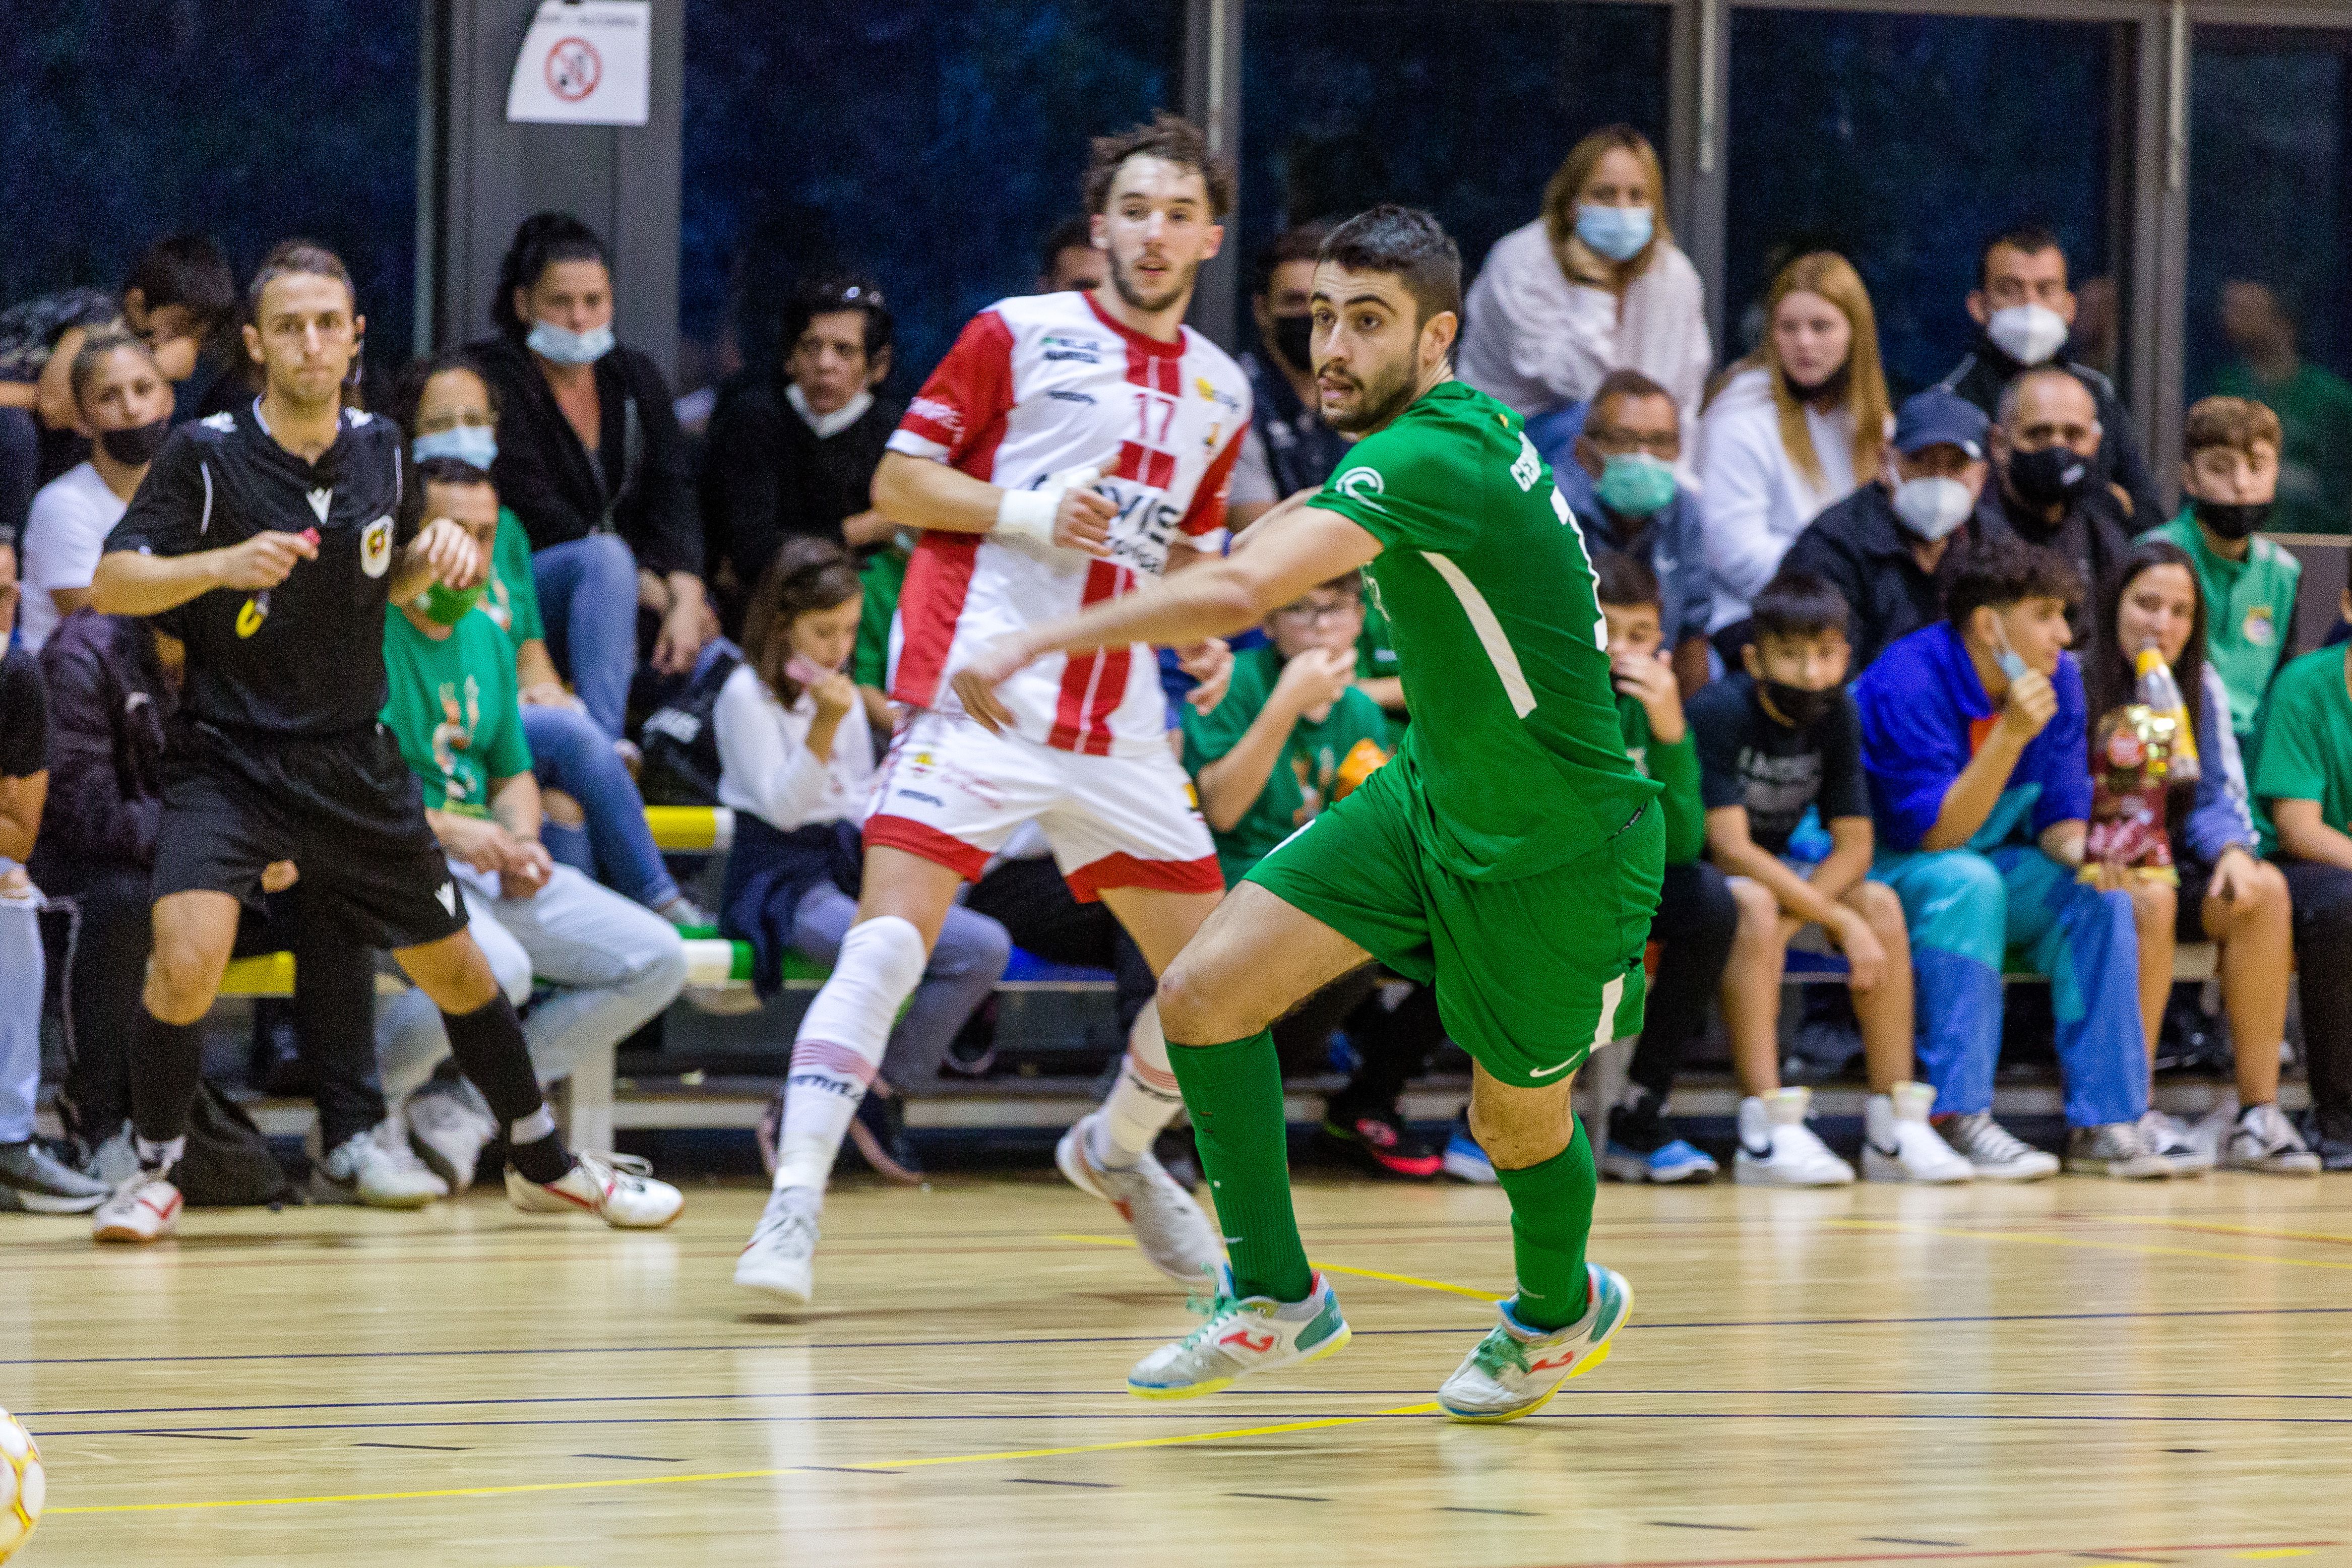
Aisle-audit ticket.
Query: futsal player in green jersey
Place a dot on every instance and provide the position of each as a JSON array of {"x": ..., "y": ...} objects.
[{"x": 1510, "y": 855}]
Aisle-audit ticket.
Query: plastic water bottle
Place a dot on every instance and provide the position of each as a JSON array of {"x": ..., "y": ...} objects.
[{"x": 2161, "y": 693}]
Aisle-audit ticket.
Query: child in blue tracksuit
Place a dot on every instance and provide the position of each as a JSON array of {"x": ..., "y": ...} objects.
[{"x": 1974, "y": 742}]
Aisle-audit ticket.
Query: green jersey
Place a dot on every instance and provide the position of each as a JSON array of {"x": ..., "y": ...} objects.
[
  {"x": 453, "y": 709},
  {"x": 1490, "y": 594},
  {"x": 882, "y": 576},
  {"x": 1306, "y": 775},
  {"x": 2306, "y": 749},
  {"x": 1676, "y": 767},
  {"x": 510, "y": 598},
  {"x": 2249, "y": 613}
]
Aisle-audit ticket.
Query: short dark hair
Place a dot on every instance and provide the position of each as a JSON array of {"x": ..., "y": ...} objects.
[
  {"x": 1167, "y": 137},
  {"x": 1071, "y": 234},
  {"x": 2028, "y": 238},
  {"x": 187, "y": 270},
  {"x": 408, "y": 392},
  {"x": 1409, "y": 242},
  {"x": 541, "y": 241},
  {"x": 1626, "y": 383},
  {"x": 297, "y": 258},
  {"x": 835, "y": 292},
  {"x": 1300, "y": 241},
  {"x": 2000, "y": 570},
  {"x": 433, "y": 471},
  {"x": 1798, "y": 604},
  {"x": 1624, "y": 579}
]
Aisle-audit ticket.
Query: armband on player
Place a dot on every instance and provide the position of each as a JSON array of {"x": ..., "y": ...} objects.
[{"x": 1029, "y": 514}]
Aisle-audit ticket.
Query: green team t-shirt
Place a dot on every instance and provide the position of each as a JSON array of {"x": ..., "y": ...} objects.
[
  {"x": 1677, "y": 770},
  {"x": 1488, "y": 592},
  {"x": 2249, "y": 613},
  {"x": 453, "y": 709},
  {"x": 2306, "y": 746},
  {"x": 884, "y": 577},
  {"x": 510, "y": 598},
  {"x": 1304, "y": 777}
]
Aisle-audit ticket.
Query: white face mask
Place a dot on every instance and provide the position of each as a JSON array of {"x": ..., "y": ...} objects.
[
  {"x": 1932, "y": 508},
  {"x": 2027, "y": 333}
]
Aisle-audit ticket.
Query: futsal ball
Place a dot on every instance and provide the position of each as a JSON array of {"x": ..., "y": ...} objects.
[{"x": 21, "y": 1485}]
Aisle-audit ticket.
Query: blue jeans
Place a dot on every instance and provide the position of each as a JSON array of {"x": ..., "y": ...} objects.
[
  {"x": 570, "y": 753},
  {"x": 20, "y": 1015},
  {"x": 588, "y": 595},
  {"x": 966, "y": 963}
]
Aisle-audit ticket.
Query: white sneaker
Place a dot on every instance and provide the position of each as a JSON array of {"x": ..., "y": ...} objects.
[
  {"x": 2172, "y": 1139},
  {"x": 376, "y": 1168},
  {"x": 780, "y": 1258},
  {"x": 2264, "y": 1140},
  {"x": 1993, "y": 1152},
  {"x": 1169, "y": 1227},
  {"x": 2116, "y": 1149},
  {"x": 1516, "y": 1369},
  {"x": 1240, "y": 1337},
  {"x": 146, "y": 1208},
  {"x": 1777, "y": 1149},
  {"x": 618, "y": 1189},
  {"x": 449, "y": 1135},
  {"x": 1899, "y": 1145}
]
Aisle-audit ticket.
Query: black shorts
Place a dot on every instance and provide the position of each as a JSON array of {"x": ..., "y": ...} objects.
[
  {"x": 344, "y": 808},
  {"x": 2189, "y": 915}
]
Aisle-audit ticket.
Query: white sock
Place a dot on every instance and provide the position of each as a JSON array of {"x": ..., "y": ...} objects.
[
  {"x": 540, "y": 1124},
  {"x": 840, "y": 1045},
  {"x": 1144, "y": 1100},
  {"x": 160, "y": 1158}
]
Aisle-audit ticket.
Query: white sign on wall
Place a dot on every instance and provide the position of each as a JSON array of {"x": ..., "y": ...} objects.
[{"x": 584, "y": 62}]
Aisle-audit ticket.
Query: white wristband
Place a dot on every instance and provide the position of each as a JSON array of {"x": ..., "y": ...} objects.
[{"x": 1029, "y": 514}]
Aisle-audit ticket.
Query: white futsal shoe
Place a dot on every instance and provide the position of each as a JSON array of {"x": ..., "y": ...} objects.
[
  {"x": 618, "y": 1189},
  {"x": 1240, "y": 1337},
  {"x": 146, "y": 1208},
  {"x": 1899, "y": 1145},
  {"x": 1516, "y": 1370},
  {"x": 1169, "y": 1227},
  {"x": 780, "y": 1258},
  {"x": 1777, "y": 1149},
  {"x": 375, "y": 1168},
  {"x": 448, "y": 1127}
]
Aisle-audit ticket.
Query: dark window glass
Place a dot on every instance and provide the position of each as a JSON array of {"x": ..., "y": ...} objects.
[
  {"x": 933, "y": 144},
  {"x": 2270, "y": 219},
  {"x": 1903, "y": 142},
  {"x": 127, "y": 121},
  {"x": 1464, "y": 109}
]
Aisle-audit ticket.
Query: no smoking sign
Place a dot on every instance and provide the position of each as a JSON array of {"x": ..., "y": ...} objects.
[
  {"x": 583, "y": 62},
  {"x": 574, "y": 70}
]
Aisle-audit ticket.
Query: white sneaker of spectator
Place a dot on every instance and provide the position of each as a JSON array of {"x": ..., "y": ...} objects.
[
  {"x": 146, "y": 1208},
  {"x": 1777, "y": 1149},
  {"x": 1993, "y": 1151},
  {"x": 1899, "y": 1145},
  {"x": 2264, "y": 1140},
  {"x": 376, "y": 1168},
  {"x": 2177, "y": 1142},
  {"x": 2117, "y": 1149},
  {"x": 450, "y": 1133}
]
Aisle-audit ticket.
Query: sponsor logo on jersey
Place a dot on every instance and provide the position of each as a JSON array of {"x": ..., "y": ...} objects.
[
  {"x": 375, "y": 548},
  {"x": 1527, "y": 464},
  {"x": 946, "y": 415},
  {"x": 1058, "y": 346},
  {"x": 1362, "y": 485},
  {"x": 1209, "y": 389},
  {"x": 1084, "y": 356},
  {"x": 1063, "y": 394}
]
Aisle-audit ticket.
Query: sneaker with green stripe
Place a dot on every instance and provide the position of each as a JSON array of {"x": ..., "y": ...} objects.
[
  {"x": 1516, "y": 1369},
  {"x": 1241, "y": 1335}
]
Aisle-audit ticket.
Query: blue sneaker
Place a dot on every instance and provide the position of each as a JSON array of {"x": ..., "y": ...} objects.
[
  {"x": 1671, "y": 1162},
  {"x": 1465, "y": 1160}
]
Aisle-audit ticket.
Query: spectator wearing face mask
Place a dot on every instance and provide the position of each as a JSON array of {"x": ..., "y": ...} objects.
[
  {"x": 2230, "y": 481},
  {"x": 126, "y": 405},
  {"x": 1792, "y": 432},
  {"x": 1287, "y": 448},
  {"x": 1881, "y": 548},
  {"x": 1594, "y": 285},
  {"x": 2046, "y": 488},
  {"x": 592, "y": 460},
  {"x": 1621, "y": 483},
  {"x": 2023, "y": 311}
]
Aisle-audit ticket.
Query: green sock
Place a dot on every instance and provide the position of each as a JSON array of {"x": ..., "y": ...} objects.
[
  {"x": 1551, "y": 1214},
  {"x": 1235, "y": 1093}
]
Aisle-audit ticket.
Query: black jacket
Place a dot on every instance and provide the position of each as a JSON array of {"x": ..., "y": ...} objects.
[
  {"x": 1859, "y": 547},
  {"x": 767, "y": 476},
  {"x": 640, "y": 482},
  {"x": 1980, "y": 377},
  {"x": 2094, "y": 535},
  {"x": 109, "y": 703}
]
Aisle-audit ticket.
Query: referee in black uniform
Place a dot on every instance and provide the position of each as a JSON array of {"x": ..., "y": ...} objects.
[{"x": 267, "y": 538}]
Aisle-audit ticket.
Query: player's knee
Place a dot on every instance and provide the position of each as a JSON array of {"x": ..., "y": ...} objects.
[{"x": 1193, "y": 1008}]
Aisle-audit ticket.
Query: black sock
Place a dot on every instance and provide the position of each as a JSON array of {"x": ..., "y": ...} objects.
[
  {"x": 165, "y": 1067},
  {"x": 489, "y": 1046},
  {"x": 543, "y": 1160}
]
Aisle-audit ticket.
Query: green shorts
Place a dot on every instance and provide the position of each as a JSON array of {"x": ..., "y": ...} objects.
[{"x": 1531, "y": 974}]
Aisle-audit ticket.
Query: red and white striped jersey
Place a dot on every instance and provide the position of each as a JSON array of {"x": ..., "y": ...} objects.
[{"x": 1034, "y": 386}]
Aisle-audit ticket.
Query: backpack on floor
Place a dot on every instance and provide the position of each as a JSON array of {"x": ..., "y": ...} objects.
[
  {"x": 681, "y": 743},
  {"x": 227, "y": 1163}
]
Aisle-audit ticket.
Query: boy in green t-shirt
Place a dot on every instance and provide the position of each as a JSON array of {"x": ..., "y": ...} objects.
[
  {"x": 2303, "y": 798},
  {"x": 2230, "y": 478},
  {"x": 882, "y": 576}
]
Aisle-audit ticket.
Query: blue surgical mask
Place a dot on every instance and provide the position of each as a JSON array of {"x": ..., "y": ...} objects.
[
  {"x": 1617, "y": 233},
  {"x": 549, "y": 341},
  {"x": 1635, "y": 484},
  {"x": 474, "y": 443}
]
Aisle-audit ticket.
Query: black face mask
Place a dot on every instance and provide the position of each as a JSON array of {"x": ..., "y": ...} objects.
[
  {"x": 1800, "y": 705},
  {"x": 2233, "y": 519},
  {"x": 1294, "y": 339},
  {"x": 135, "y": 447},
  {"x": 2053, "y": 477}
]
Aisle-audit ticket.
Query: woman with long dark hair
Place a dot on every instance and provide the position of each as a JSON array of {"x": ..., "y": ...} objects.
[{"x": 2228, "y": 895}]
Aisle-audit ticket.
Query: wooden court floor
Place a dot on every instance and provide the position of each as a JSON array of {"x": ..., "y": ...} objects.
[{"x": 2077, "y": 1371}]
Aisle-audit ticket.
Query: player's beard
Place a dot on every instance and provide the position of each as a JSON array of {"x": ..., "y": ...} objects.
[
  {"x": 1121, "y": 280},
  {"x": 1377, "y": 400}
]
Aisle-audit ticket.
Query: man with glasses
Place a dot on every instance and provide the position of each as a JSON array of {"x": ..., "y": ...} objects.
[{"x": 1622, "y": 486}]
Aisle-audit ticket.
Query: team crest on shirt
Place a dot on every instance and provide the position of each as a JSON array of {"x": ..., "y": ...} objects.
[
  {"x": 1360, "y": 484},
  {"x": 375, "y": 548},
  {"x": 2258, "y": 628}
]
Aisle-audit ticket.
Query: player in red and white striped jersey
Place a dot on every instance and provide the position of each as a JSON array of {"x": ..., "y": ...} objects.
[{"x": 1069, "y": 445}]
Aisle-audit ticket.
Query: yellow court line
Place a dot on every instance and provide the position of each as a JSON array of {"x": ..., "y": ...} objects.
[
  {"x": 1326, "y": 1268},
  {"x": 877, "y": 1465},
  {"x": 2041, "y": 1241}
]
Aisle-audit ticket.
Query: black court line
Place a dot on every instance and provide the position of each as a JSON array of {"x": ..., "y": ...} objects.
[
  {"x": 133, "y": 1432},
  {"x": 640, "y": 1459},
  {"x": 1907, "y": 1541},
  {"x": 1683, "y": 1524},
  {"x": 2188, "y": 1450},
  {"x": 1514, "y": 1512},
  {"x": 421, "y": 1447},
  {"x": 1278, "y": 1496},
  {"x": 1041, "y": 1482},
  {"x": 850, "y": 1469}
]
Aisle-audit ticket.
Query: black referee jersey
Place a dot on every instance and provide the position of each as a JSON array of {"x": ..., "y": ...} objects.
[{"x": 304, "y": 659}]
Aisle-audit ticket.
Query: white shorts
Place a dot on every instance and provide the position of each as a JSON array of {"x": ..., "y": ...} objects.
[{"x": 953, "y": 793}]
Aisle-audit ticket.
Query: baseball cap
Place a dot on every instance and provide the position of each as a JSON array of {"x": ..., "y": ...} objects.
[{"x": 1939, "y": 418}]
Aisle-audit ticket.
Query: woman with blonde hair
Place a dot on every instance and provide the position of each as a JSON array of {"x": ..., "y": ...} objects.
[
  {"x": 1795, "y": 427},
  {"x": 1595, "y": 284}
]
